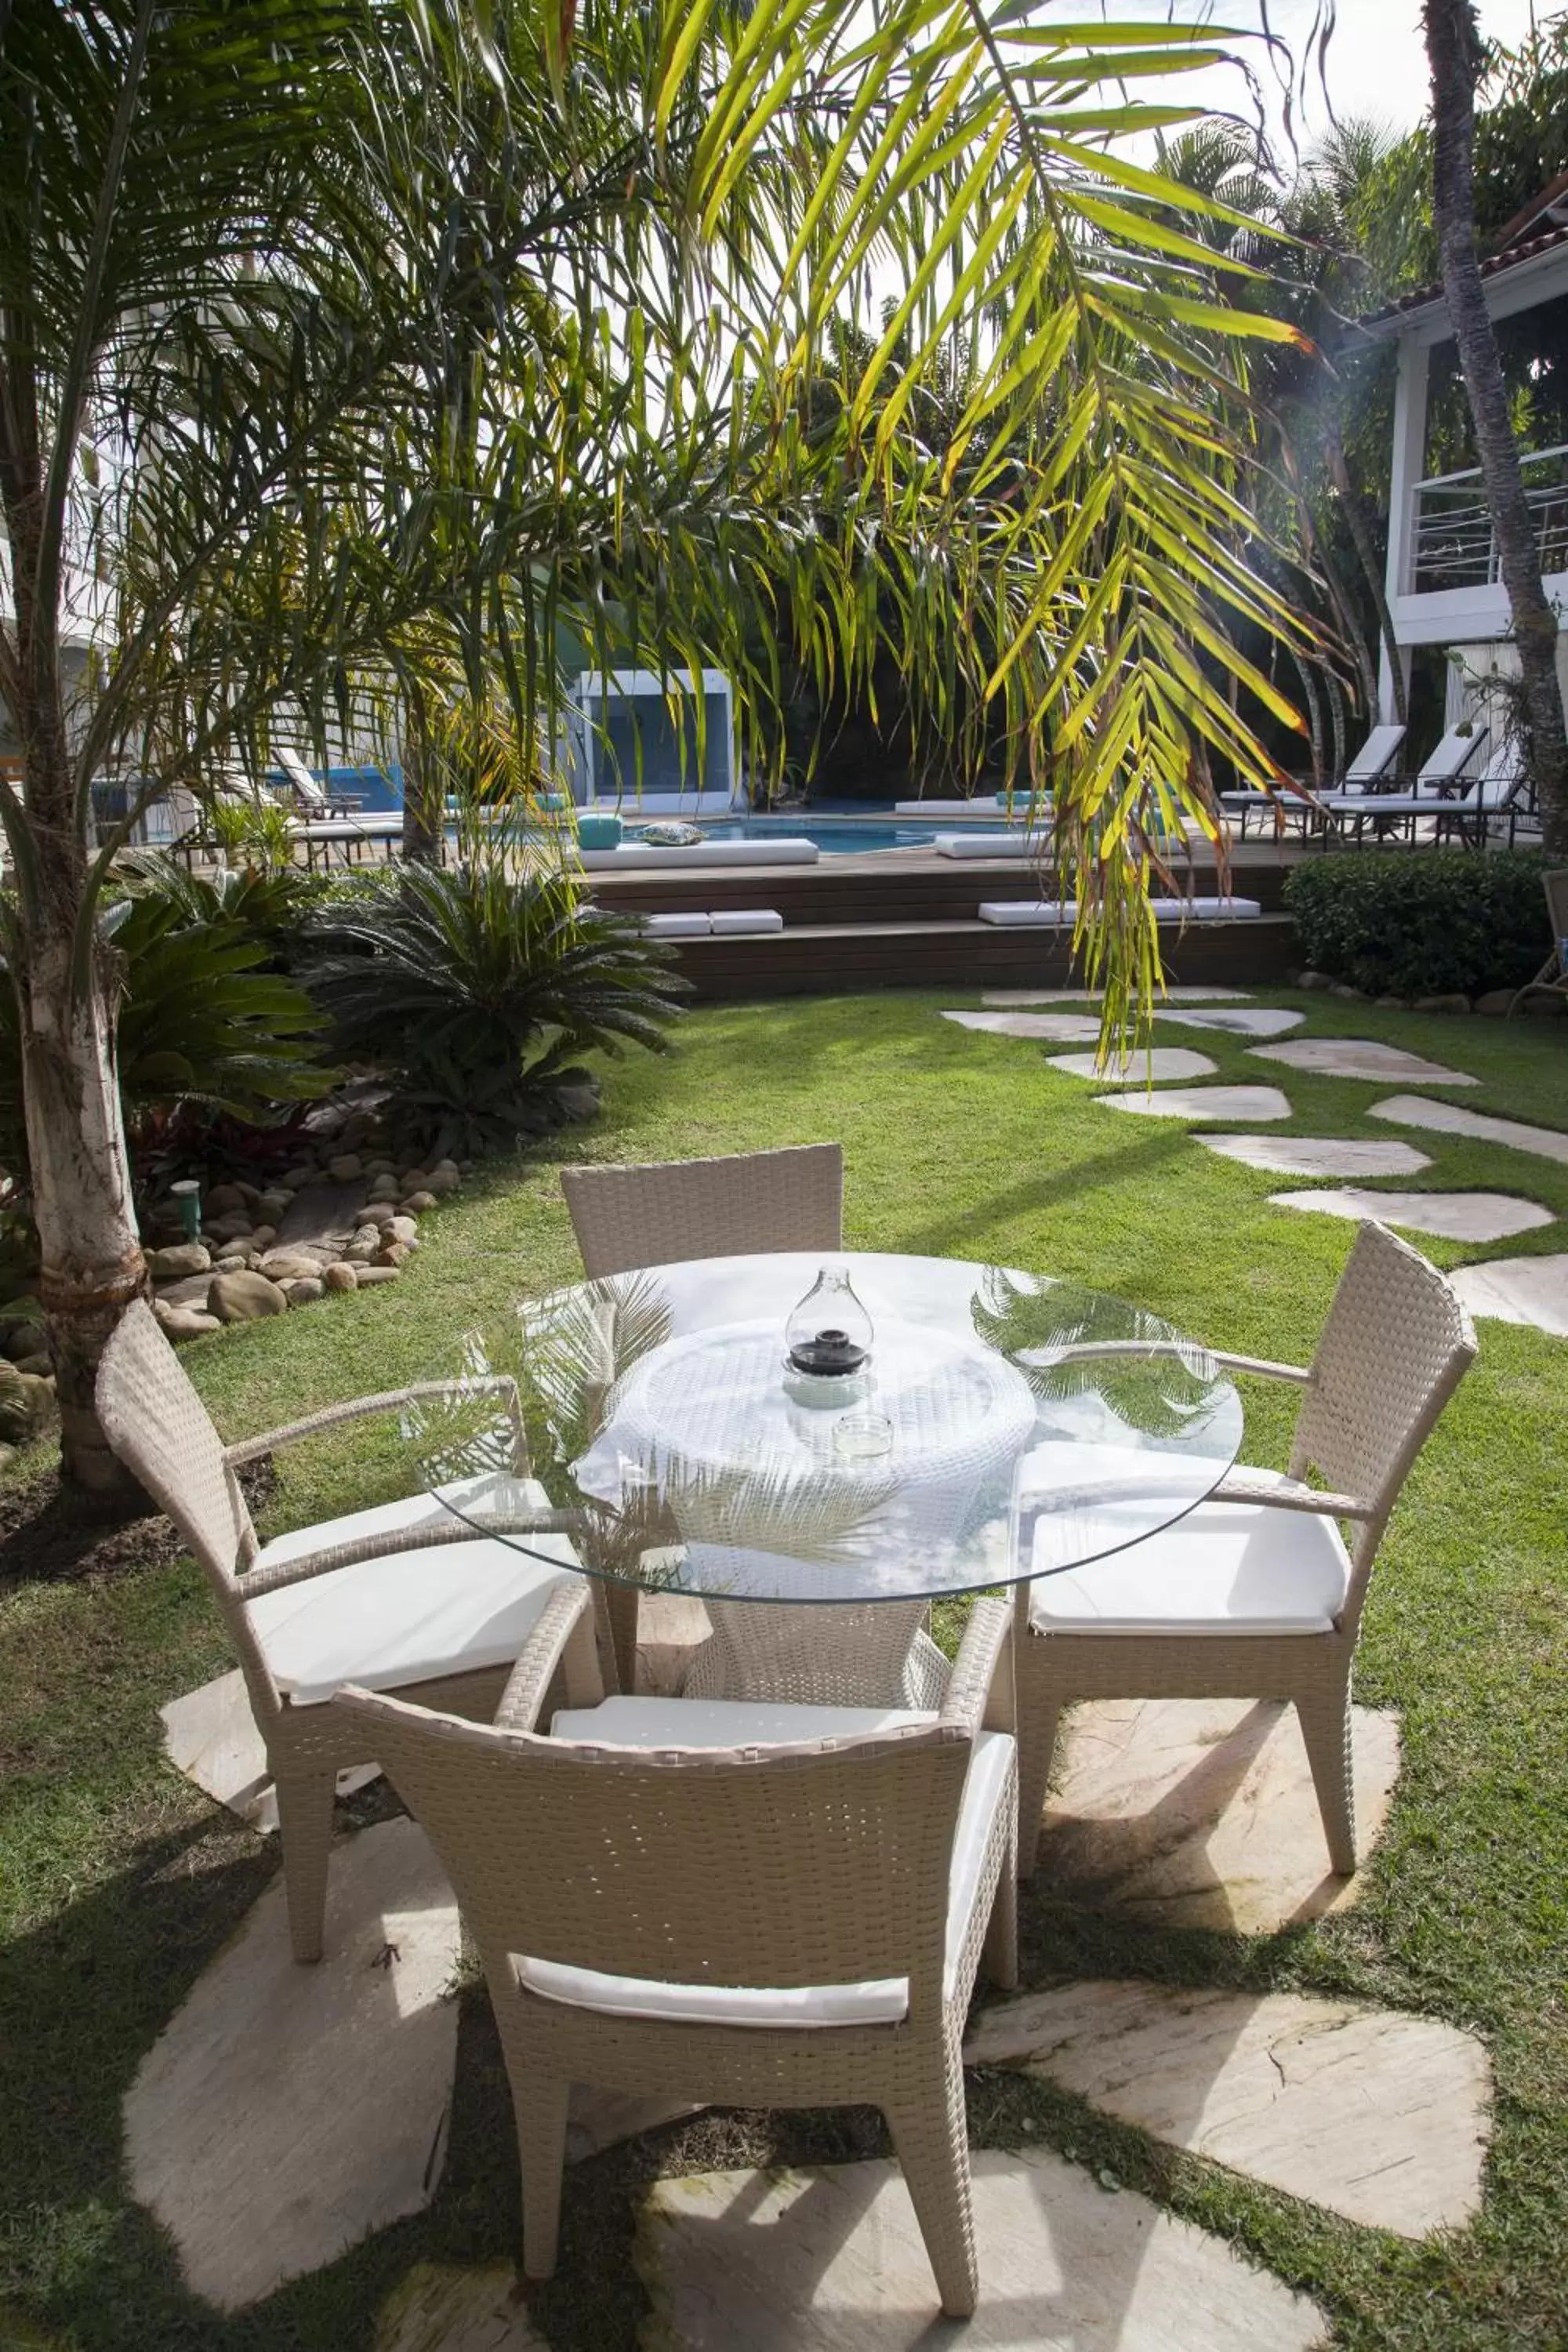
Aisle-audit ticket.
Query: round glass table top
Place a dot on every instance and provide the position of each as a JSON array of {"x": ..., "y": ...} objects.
[{"x": 949, "y": 1427}]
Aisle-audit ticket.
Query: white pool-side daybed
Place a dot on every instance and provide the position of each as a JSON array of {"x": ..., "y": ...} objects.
[
  {"x": 640, "y": 857},
  {"x": 1060, "y": 914}
]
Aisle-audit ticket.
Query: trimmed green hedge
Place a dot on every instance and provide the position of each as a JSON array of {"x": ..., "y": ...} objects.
[{"x": 1422, "y": 922}]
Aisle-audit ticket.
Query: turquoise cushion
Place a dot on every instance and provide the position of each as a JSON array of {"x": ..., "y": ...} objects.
[{"x": 599, "y": 832}]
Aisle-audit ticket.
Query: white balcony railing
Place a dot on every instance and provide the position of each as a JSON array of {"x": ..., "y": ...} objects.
[{"x": 1453, "y": 544}]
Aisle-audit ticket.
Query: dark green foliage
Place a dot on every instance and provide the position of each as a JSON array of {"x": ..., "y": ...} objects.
[
  {"x": 1398, "y": 925},
  {"x": 208, "y": 1024},
  {"x": 474, "y": 989}
]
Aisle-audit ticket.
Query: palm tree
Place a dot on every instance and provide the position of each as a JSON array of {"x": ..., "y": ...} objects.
[
  {"x": 348, "y": 349},
  {"x": 1457, "y": 55}
]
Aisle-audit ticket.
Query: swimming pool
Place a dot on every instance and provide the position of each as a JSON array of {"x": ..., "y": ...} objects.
[{"x": 830, "y": 833}]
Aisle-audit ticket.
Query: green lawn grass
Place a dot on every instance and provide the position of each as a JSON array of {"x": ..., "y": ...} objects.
[{"x": 117, "y": 1882}]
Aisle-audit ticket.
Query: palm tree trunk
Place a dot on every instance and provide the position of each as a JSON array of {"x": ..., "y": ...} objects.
[
  {"x": 424, "y": 790},
  {"x": 1360, "y": 540},
  {"x": 1454, "y": 54}
]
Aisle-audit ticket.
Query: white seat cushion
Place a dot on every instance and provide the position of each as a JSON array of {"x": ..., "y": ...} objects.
[
  {"x": 677, "y": 927},
  {"x": 737, "y": 921},
  {"x": 1226, "y": 1568},
  {"x": 986, "y": 845},
  {"x": 408, "y": 1615},
  {"x": 655, "y": 1723}
]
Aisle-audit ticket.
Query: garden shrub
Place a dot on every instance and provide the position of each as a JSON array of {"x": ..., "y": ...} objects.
[{"x": 1422, "y": 923}]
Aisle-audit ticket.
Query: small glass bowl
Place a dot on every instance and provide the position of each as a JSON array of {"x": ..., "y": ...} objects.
[{"x": 862, "y": 1437}]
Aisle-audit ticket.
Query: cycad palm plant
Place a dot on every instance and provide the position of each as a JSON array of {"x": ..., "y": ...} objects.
[{"x": 349, "y": 350}]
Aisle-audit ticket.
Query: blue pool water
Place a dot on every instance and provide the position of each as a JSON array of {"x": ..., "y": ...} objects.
[{"x": 829, "y": 835}]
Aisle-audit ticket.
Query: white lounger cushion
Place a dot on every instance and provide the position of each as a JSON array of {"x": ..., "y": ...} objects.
[
  {"x": 405, "y": 1616},
  {"x": 663, "y": 1723},
  {"x": 734, "y": 922},
  {"x": 1017, "y": 844},
  {"x": 635, "y": 856},
  {"x": 983, "y": 805},
  {"x": 1060, "y": 914},
  {"x": 678, "y": 926},
  {"x": 1226, "y": 1568}
]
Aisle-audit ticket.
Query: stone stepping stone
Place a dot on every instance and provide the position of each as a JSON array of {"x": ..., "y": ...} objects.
[
  {"x": 1261, "y": 1103},
  {"x": 1045, "y": 1028},
  {"x": 1359, "y": 1058},
  {"x": 1006, "y": 997},
  {"x": 210, "y": 1736},
  {"x": 284, "y": 2113},
  {"x": 1201, "y": 1812},
  {"x": 1138, "y": 1069},
  {"x": 1255, "y": 1021},
  {"x": 1531, "y": 1290},
  {"x": 1453, "y": 1118},
  {"x": 832, "y": 2261},
  {"x": 1317, "y": 1155},
  {"x": 1457, "y": 1216},
  {"x": 439, "y": 2308},
  {"x": 1381, "y": 2117}
]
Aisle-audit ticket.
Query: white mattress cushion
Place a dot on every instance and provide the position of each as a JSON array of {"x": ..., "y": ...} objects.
[
  {"x": 987, "y": 844},
  {"x": 408, "y": 1615},
  {"x": 733, "y": 921},
  {"x": 654, "y": 1723},
  {"x": 1028, "y": 913},
  {"x": 1226, "y": 1568},
  {"x": 678, "y": 926}
]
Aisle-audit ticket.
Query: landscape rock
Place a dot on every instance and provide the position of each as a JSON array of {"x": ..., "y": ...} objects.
[
  {"x": 415, "y": 1180},
  {"x": 39, "y": 1367},
  {"x": 303, "y": 1290},
  {"x": 184, "y": 1322},
  {"x": 404, "y": 1229},
  {"x": 1542, "y": 1007},
  {"x": 346, "y": 1169},
  {"x": 441, "y": 1181},
  {"x": 1400, "y": 1004},
  {"x": 224, "y": 1201},
  {"x": 273, "y": 1204},
  {"x": 341, "y": 1276},
  {"x": 249, "y": 1194},
  {"x": 377, "y": 1213},
  {"x": 262, "y": 1237},
  {"x": 182, "y": 1258},
  {"x": 230, "y": 1262},
  {"x": 292, "y": 1265},
  {"x": 1315, "y": 981},
  {"x": 245, "y": 1297},
  {"x": 384, "y": 1188},
  {"x": 578, "y": 1103},
  {"x": 371, "y": 1273},
  {"x": 233, "y": 1227},
  {"x": 396, "y": 1253},
  {"x": 1454, "y": 1002},
  {"x": 362, "y": 1246},
  {"x": 294, "y": 1180},
  {"x": 1343, "y": 988},
  {"x": 416, "y": 1204},
  {"x": 1495, "y": 1000}
]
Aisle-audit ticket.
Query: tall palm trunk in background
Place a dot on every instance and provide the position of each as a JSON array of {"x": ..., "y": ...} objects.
[
  {"x": 91, "y": 1261},
  {"x": 1455, "y": 55}
]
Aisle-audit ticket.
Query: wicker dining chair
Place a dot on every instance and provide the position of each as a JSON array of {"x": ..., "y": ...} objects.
[
  {"x": 402, "y": 1596},
  {"x": 662, "y": 1212},
  {"x": 756, "y": 1905},
  {"x": 1552, "y": 980},
  {"x": 1255, "y": 1594}
]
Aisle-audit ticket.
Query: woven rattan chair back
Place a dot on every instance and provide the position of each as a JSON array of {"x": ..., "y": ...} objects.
[
  {"x": 1396, "y": 1346},
  {"x": 1555, "y": 883},
  {"x": 780, "y": 1867},
  {"x": 663, "y": 1212},
  {"x": 158, "y": 1426}
]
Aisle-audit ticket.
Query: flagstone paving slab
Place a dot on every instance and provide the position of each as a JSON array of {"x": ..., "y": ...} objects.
[
  {"x": 1453, "y": 1118},
  {"x": 1138, "y": 1069},
  {"x": 210, "y": 1736},
  {"x": 1531, "y": 1290},
  {"x": 1092, "y": 996},
  {"x": 1201, "y": 1812},
  {"x": 1261, "y": 1103},
  {"x": 832, "y": 2261},
  {"x": 1246, "y": 1020},
  {"x": 1047, "y": 1028},
  {"x": 1458, "y": 1216},
  {"x": 1381, "y": 2117},
  {"x": 1318, "y": 1155},
  {"x": 286, "y": 2112},
  {"x": 1359, "y": 1058},
  {"x": 439, "y": 2308}
]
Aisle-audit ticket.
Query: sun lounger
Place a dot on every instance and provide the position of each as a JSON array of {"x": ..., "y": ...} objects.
[
  {"x": 1060, "y": 914},
  {"x": 1431, "y": 796},
  {"x": 1372, "y": 761}
]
